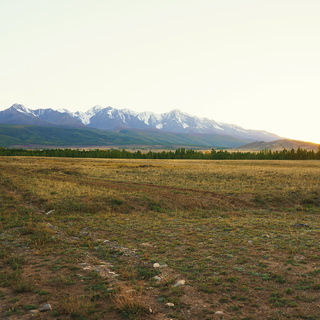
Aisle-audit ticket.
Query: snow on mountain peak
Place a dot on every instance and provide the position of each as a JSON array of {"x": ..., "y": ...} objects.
[
  {"x": 173, "y": 121},
  {"x": 85, "y": 117},
  {"x": 22, "y": 109}
]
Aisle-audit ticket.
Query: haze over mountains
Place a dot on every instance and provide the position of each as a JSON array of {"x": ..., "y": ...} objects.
[{"x": 112, "y": 119}]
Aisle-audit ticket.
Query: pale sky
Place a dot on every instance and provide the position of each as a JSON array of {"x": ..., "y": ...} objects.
[{"x": 254, "y": 63}]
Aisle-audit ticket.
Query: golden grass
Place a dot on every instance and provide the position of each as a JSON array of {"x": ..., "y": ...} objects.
[{"x": 226, "y": 227}]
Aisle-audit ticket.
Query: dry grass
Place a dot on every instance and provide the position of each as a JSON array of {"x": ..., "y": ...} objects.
[
  {"x": 78, "y": 305},
  {"x": 229, "y": 228},
  {"x": 129, "y": 302}
]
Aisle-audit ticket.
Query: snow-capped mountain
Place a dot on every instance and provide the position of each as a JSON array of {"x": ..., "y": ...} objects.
[
  {"x": 18, "y": 114},
  {"x": 113, "y": 119}
]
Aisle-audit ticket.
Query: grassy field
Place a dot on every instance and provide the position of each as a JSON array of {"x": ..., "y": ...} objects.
[{"x": 243, "y": 235}]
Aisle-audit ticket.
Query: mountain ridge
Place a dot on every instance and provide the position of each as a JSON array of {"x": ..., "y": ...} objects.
[
  {"x": 112, "y": 119},
  {"x": 278, "y": 145}
]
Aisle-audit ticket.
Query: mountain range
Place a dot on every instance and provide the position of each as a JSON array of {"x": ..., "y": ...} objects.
[
  {"x": 112, "y": 119},
  {"x": 278, "y": 145}
]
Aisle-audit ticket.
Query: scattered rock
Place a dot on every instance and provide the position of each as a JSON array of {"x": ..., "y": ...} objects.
[
  {"x": 156, "y": 265},
  {"x": 218, "y": 312},
  {"x": 146, "y": 244},
  {"x": 34, "y": 311},
  {"x": 49, "y": 212},
  {"x": 300, "y": 225},
  {"x": 170, "y": 304},
  {"x": 180, "y": 283},
  {"x": 45, "y": 307},
  {"x": 157, "y": 278},
  {"x": 298, "y": 257}
]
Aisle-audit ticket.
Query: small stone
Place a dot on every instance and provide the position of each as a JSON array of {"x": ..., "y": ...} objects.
[
  {"x": 219, "y": 217},
  {"x": 157, "y": 278},
  {"x": 156, "y": 265},
  {"x": 249, "y": 242},
  {"x": 150, "y": 310},
  {"x": 45, "y": 307},
  {"x": 83, "y": 264},
  {"x": 146, "y": 244},
  {"x": 49, "y": 212},
  {"x": 180, "y": 283},
  {"x": 34, "y": 311},
  {"x": 163, "y": 266},
  {"x": 300, "y": 225},
  {"x": 218, "y": 312},
  {"x": 106, "y": 241},
  {"x": 170, "y": 304}
]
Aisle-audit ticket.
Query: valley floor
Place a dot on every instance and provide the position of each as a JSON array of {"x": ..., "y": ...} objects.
[{"x": 159, "y": 239}]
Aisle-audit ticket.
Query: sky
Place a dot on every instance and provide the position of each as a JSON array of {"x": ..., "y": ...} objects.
[{"x": 254, "y": 63}]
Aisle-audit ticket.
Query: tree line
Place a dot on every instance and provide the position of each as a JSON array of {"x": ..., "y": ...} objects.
[{"x": 180, "y": 153}]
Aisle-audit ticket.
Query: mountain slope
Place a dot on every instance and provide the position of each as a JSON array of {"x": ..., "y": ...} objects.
[
  {"x": 18, "y": 114},
  {"x": 28, "y": 136},
  {"x": 278, "y": 145},
  {"x": 112, "y": 119}
]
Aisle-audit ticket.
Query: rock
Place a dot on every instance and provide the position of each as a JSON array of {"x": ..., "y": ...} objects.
[
  {"x": 298, "y": 257},
  {"x": 106, "y": 241},
  {"x": 180, "y": 283},
  {"x": 146, "y": 244},
  {"x": 34, "y": 311},
  {"x": 156, "y": 265},
  {"x": 163, "y": 266},
  {"x": 300, "y": 225},
  {"x": 157, "y": 278},
  {"x": 45, "y": 307},
  {"x": 49, "y": 212},
  {"x": 218, "y": 312},
  {"x": 170, "y": 304},
  {"x": 249, "y": 242}
]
